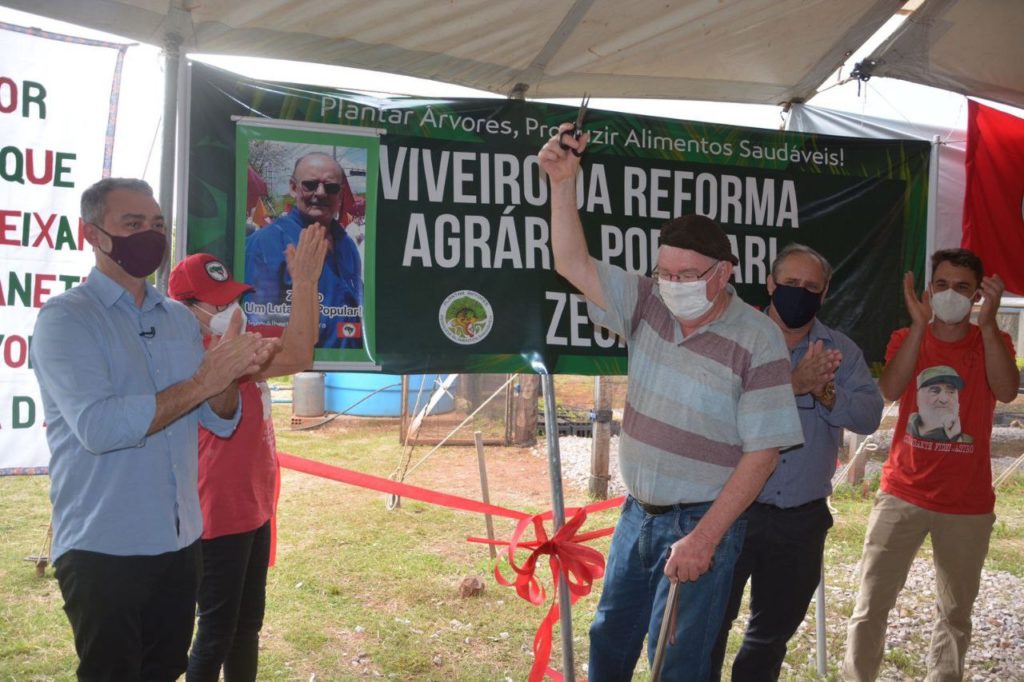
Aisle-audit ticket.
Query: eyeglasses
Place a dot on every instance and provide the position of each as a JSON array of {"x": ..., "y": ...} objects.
[
  {"x": 684, "y": 276},
  {"x": 312, "y": 185}
]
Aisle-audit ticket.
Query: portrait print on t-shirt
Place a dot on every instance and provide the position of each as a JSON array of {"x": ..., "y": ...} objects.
[{"x": 938, "y": 406}]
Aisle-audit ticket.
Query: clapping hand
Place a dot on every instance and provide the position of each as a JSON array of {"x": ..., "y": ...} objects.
[
  {"x": 920, "y": 309},
  {"x": 306, "y": 262},
  {"x": 992, "y": 288},
  {"x": 234, "y": 355},
  {"x": 816, "y": 368}
]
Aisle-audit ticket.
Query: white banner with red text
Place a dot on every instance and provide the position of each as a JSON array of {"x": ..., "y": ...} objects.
[{"x": 57, "y": 126}]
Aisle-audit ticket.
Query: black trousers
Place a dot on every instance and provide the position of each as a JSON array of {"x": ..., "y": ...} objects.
[
  {"x": 782, "y": 557},
  {"x": 232, "y": 599},
  {"x": 132, "y": 616}
]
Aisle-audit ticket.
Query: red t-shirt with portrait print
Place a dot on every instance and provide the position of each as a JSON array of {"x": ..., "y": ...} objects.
[{"x": 940, "y": 458}]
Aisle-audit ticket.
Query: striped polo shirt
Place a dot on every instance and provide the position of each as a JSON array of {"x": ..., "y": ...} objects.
[{"x": 694, "y": 405}]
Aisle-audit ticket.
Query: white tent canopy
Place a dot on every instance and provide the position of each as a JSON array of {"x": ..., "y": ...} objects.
[
  {"x": 972, "y": 47},
  {"x": 755, "y": 51}
]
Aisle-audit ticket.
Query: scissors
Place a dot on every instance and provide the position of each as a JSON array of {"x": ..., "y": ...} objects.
[{"x": 577, "y": 127}]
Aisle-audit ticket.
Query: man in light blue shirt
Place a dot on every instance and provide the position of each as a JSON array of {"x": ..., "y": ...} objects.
[
  {"x": 125, "y": 383},
  {"x": 787, "y": 525}
]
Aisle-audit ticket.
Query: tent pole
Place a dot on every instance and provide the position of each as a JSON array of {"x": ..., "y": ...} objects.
[
  {"x": 933, "y": 202},
  {"x": 182, "y": 162},
  {"x": 558, "y": 513},
  {"x": 172, "y": 65},
  {"x": 819, "y": 621}
]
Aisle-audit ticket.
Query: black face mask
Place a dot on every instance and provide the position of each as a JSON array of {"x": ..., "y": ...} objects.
[
  {"x": 138, "y": 254},
  {"x": 796, "y": 306}
]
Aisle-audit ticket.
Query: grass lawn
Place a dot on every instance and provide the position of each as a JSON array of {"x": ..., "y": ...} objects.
[{"x": 360, "y": 591}]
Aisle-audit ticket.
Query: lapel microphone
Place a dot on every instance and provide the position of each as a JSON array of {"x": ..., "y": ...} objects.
[{"x": 148, "y": 334}]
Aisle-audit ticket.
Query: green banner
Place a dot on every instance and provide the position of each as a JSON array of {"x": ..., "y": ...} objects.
[{"x": 462, "y": 267}]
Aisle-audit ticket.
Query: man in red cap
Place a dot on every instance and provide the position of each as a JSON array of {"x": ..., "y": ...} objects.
[{"x": 238, "y": 474}]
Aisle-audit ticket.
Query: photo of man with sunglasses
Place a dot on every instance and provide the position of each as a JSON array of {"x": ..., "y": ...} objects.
[{"x": 321, "y": 195}]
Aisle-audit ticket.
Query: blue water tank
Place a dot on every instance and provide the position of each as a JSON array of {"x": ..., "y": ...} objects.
[{"x": 380, "y": 395}]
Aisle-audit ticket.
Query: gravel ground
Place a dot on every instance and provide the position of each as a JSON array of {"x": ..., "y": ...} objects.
[{"x": 997, "y": 646}]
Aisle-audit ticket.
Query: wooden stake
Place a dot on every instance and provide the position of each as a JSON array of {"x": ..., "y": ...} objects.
[
  {"x": 485, "y": 493},
  {"x": 601, "y": 439}
]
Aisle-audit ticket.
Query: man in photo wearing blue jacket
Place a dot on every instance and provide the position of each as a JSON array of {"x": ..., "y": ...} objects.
[{"x": 322, "y": 193}]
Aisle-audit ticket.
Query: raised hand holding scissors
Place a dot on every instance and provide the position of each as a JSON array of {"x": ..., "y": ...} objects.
[{"x": 577, "y": 127}]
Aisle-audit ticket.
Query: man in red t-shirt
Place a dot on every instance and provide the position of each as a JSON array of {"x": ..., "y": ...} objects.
[{"x": 947, "y": 374}]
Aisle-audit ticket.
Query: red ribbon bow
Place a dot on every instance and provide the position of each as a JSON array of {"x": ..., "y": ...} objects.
[{"x": 581, "y": 566}]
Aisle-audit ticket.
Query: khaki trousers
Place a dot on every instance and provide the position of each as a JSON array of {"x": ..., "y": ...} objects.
[{"x": 895, "y": 532}]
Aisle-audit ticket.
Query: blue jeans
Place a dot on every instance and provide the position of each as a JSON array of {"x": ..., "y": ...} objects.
[{"x": 635, "y": 591}]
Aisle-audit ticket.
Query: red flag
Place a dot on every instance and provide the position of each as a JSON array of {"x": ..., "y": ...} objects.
[
  {"x": 350, "y": 330},
  {"x": 994, "y": 199},
  {"x": 256, "y": 189}
]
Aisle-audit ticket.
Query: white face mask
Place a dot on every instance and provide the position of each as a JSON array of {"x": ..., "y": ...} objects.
[
  {"x": 950, "y": 306},
  {"x": 219, "y": 323},
  {"x": 685, "y": 300}
]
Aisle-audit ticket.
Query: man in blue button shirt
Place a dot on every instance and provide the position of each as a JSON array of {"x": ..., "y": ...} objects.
[
  {"x": 787, "y": 525},
  {"x": 125, "y": 383},
  {"x": 322, "y": 195}
]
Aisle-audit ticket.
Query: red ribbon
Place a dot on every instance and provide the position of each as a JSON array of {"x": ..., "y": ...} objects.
[
  {"x": 568, "y": 556},
  {"x": 385, "y": 485}
]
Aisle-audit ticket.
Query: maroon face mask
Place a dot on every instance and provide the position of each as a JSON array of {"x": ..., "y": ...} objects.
[{"x": 138, "y": 254}]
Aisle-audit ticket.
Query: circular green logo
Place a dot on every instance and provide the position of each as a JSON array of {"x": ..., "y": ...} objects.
[{"x": 465, "y": 317}]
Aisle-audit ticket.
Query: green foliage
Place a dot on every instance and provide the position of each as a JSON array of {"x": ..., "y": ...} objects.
[{"x": 908, "y": 665}]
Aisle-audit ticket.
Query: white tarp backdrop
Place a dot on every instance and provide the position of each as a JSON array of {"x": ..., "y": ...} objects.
[
  {"x": 949, "y": 186},
  {"x": 56, "y": 143}
]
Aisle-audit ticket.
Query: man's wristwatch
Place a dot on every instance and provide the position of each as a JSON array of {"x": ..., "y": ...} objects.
[{"x": 828, "y": 395}]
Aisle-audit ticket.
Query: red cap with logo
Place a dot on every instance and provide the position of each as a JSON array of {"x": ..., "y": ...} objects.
[{"x": 205, "y": 278}]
